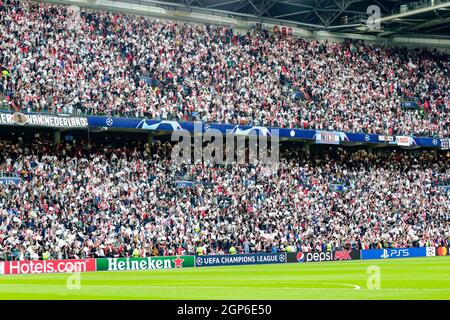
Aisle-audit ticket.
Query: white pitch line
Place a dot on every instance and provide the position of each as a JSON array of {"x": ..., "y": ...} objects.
[{"x": 355, "y": 287}]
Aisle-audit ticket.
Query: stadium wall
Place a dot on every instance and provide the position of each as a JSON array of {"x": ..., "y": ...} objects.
[{"x": 102, "y": 123}]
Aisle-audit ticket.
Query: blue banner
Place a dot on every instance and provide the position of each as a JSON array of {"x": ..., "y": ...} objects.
[
  {"x": 240, "y": 259},
  {"x": 184, "y": 183},
  {"x": 338, "y": 187},
  {"x": 322, "y": 137},
  {"x": 393, "y": 253},
  {"x": 10, "y": 180},
  {"x": 409, "y": 105}
]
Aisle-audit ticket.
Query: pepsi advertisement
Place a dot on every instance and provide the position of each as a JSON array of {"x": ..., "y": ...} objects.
[
  {"x": 394, "y": 253},
  {"x": 318, "y": 256},
  {"x": 240, "y": 259}
]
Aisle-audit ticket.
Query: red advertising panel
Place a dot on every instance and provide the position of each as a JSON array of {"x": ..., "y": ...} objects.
[
  {"x": 48, "y": 266},
  {"x": 442, "y": 251}
]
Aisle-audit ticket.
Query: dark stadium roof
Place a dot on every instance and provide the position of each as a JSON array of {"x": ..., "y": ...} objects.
[{"x": 429, "y": 17}]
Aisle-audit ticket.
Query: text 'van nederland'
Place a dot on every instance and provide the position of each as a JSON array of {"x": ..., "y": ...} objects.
[{"x": 138, "y": 264}]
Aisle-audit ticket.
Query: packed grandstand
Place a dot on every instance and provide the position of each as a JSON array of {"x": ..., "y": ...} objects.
[
  {"x": 101, "y": 198},
  {"x": 119, "y": 64},
  {"x": 108, "y": 200}
]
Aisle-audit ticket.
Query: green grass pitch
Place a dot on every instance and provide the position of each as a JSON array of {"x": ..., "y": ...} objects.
[{"x": 413, "y": 278}]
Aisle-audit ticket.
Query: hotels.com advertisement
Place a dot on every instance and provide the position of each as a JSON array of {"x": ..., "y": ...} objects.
[{"x": 47, "y": 266}]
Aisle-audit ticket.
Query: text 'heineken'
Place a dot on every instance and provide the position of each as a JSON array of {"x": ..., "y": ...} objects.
[{"x": 149, "y": 263}]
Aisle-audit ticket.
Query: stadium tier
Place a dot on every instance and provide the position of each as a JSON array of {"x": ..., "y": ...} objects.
[
  {"x": 124, "y": 65},
  {"x": 98, "y": 196},
  {"x": 106, "y": 200}
]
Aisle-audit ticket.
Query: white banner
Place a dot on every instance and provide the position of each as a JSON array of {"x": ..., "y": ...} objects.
[
  {"x": 445, "y": 143},
  {"x": 327, "y": 137},
  {"x": 403, "y": 141}
]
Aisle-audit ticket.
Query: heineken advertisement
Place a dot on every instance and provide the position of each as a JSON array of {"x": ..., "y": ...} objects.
[{"x": 149, "y": 263}]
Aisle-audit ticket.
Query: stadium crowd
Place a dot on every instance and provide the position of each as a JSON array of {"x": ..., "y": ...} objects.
[
  {"x": 119, "y": 64},
  {"x": 108, "y": 200}
]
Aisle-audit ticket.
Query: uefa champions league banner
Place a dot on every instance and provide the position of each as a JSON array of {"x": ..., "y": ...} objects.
[
  {"x": 319, "y": 136},
  {"x": 395, "y": 253},
  {"x": 240, "y": 259}
]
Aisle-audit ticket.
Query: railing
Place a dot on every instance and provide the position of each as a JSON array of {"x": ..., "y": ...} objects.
[
  {"x": 192, "y": 118},
  {"x": 132, "y": 115}
]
